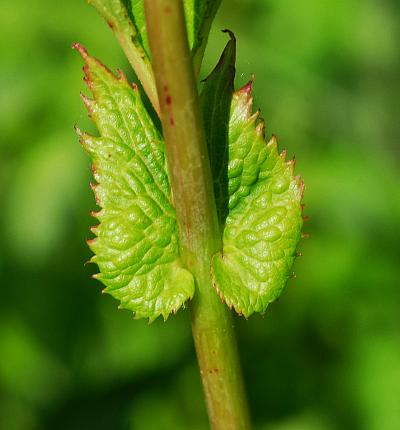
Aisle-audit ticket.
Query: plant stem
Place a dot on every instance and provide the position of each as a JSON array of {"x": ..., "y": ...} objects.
[{"x": 194, "y": 202}]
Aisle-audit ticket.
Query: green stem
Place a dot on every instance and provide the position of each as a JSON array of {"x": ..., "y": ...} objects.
[{"x": 194, "y": 202}]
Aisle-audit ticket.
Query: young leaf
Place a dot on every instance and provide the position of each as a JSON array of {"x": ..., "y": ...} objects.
[
  {"x": 264, "y": 214},
  {"x": 215, "y": 103},
  {"x": 136, "y": 8},
  {"x": 132, "y": 39},
  {"x": 199, "y": 15},
  {"x": 126, "y": 18},
  {"x": 136, "y": 247}
]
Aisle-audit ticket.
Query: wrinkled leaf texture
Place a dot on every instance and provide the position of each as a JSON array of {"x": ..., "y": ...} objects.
[
  {"x": 136, "y": 244},
  {"x": 258, "y": 197}
]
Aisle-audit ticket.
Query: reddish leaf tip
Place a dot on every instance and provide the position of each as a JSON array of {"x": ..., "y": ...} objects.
[
  {"x": 94, "y": 214},
  {"x": 78, "y": 130},
  {"x": 92, "y": 186},
  {"x": 88, "y": 102},
  {"x": 81, "y": 49},
  {"x": 247, "y": 88},
  {"x": 121, "y": 75}
]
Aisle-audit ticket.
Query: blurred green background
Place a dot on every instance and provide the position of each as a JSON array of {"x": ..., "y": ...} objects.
[{"x": 327, "y": 355}]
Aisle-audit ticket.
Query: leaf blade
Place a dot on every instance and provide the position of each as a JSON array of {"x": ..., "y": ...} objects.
[
  {"x": 263, "y": 220},
  {"x": 215, "y": 103},
  {"x": 136, "y": 243}
]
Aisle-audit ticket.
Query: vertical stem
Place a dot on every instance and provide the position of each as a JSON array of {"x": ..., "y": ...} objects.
[{"x": 194, "y": 202}]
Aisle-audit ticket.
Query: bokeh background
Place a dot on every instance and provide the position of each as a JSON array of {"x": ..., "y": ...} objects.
[{"x": 327, "y": 354}]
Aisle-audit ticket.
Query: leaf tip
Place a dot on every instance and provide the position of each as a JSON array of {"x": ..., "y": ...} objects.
[
  {"x": 87, "y": 101},
  {"x": 273, "y": 141},
  {"x": 292, "y": 163},
  {"x": 121, "y": 76},
  {"x": 90, "y": 242},
  {"x": 78, "y": 131},
  {"x": 230, "y": 33},
  {"x": 88, "y": 262},
  {"x": 94, "y": 214},
  {"x": 260, "y": 129},
  {"x": 81, "y": 49},
  {"x": 248, "y": 87}
]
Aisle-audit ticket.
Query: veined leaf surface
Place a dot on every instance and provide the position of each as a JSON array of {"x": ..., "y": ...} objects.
[
  {"x": 262, "y": 216},
  {"x": 136, "y": 247}
]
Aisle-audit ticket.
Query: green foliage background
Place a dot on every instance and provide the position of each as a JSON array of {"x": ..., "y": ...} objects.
[{"x": 327, "y": 355}]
